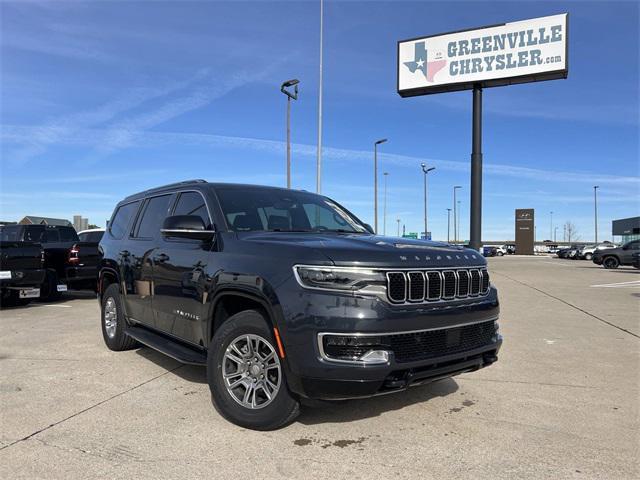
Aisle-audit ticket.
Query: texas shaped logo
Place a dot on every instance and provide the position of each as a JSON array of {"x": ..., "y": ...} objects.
[{"x": 428, "y": 69}]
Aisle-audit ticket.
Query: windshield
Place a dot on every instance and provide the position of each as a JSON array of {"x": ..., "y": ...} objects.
[{"x": 275, "y": 210}]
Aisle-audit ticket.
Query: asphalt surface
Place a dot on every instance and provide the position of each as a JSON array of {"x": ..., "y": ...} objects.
[{"x": 562, "y": 401}]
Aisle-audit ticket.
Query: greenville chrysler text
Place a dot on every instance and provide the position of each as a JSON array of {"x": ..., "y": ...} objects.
[{"x": 285, "y": 294}]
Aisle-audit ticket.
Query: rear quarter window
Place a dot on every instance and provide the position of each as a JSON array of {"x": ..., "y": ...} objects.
[{"x": 122, "y": 218}]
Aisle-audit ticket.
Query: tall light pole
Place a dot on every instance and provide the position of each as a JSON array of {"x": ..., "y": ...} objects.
[
  {"x": 555, "y": 233},
  {"x": 290, "y": 95},
  {"x": 375, "y": 183},
  {"x": 455, "y": 230},
  {"x": 319, "y": 154},
  {"x": 425, "y": 170},
  {"x": 384, "y": 214},
  {"x": 595, "y": 208},
  {"x": 459, "y": 210},
  {"x": 398, "y": 220},
  {"x": 551, "y": 226},
  {"x": 448, "y": 222}
]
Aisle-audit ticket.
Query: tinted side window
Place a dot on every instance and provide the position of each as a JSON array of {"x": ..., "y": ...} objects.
[
  {"x": 68, "y": 234},
  {"x": 93, "y": 237},
  {"x": 154, "y": 214},
  {"x": 34, "y": 233},
  {"x": 192, "y": 203},
  {"x": 118, "y": 225}
]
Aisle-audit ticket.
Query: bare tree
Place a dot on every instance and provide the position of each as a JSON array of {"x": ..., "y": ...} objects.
[{"x": 571, "y": 232}]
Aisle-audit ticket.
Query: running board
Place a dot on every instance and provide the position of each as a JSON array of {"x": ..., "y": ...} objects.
[{"x": 172, "y": 349}]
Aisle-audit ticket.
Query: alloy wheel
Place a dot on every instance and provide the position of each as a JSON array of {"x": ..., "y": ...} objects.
[
  {"x": 110, "y": 317},
  {"x": 251, "y": 371}
]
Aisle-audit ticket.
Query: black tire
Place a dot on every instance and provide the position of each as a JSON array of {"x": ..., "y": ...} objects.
[
  {"x": 500, "y": 254},
  {"x": 610, "y": 262},
  {"x": 49, "y": 288},
  {"x": 284, "y": 407},
  {"x": 119, "y": 341},
  {"x": 588, "y": 256}
]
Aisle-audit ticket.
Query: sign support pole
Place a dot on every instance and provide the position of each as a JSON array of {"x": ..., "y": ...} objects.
[{"x": 475, "y": 228}]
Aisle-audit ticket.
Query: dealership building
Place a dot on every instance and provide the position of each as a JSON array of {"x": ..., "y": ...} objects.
[{"x": 626, "y": 228}]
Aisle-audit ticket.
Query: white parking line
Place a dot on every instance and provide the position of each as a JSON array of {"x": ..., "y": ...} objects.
[{"x": 632, "y": 284}]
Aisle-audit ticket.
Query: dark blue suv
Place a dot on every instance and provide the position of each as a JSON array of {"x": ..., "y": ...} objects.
[{"x": 284, "y": 294}]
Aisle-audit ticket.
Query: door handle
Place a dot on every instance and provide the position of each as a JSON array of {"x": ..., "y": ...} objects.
[{"x": 162, "y": 257}]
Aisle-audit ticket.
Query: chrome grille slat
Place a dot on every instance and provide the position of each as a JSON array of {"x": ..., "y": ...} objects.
[
  {"x": 416, "y": 286},
  {"x": 435, "y": 285}
]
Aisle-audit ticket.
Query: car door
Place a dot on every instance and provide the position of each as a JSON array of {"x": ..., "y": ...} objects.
[
  {"x": 628, "y": 251},
  {"x": 137, "y": 258},
  {"x": 181, "y": 276}
]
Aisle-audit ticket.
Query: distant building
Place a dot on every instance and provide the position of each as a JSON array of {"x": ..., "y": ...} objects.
[
  {"x": 627, "y": 228},
  {"x": 80, "y": 223},
  {"x": 32, "y": 220},
  {"x": 2, "y": 222}
]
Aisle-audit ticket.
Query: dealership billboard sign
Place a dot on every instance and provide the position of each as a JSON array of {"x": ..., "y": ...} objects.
[{"x": 517, "y": 52}]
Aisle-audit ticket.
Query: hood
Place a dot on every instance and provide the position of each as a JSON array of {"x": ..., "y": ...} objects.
[{"x": 372, "y": 250}]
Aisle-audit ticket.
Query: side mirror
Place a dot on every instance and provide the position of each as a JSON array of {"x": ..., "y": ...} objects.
[
  {"x": 369, "y": 228},
  {"x": 186, "y": 226}
]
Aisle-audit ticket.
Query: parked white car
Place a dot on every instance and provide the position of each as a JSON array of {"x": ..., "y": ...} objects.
[{"x": 586, "y": 253}]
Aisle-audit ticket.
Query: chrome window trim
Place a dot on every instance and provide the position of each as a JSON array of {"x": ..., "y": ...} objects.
[{"x": 325, "y": 357}]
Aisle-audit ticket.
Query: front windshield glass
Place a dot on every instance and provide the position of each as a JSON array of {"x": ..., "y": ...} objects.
[{"x": 264, "y": 209}]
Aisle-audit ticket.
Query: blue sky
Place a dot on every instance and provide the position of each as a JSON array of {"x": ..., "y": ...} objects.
[{"x": 103, "y": 99}]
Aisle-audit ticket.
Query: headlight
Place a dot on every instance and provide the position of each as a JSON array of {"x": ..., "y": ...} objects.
[{"x": 347, "y": 279}]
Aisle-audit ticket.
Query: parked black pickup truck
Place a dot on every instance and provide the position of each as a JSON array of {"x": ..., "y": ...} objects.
[
  {"x": 69, "y": 263},
  {"x": 285, "y": 294},
  {"x": 21, "y": 271}
]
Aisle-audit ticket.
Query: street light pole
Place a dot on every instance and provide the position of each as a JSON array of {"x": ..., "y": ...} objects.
[
  {"x": 398, "y": 220},
  {"x": 425, "y": 170},
  {"x": 455, "y": 220},
  {"x": 459, "y": 210},
  {"x": 319, "y": 153},
  {"x": 595, "y": 208},
  {"x": 555, "y": 233},
  {"x": 448, "y": 222},
  {"x": 290, "y": 95},
  {"x": 375, "y": 183},
  {"x": 384, "y": 214},
  {"x": 551, "y": 226}
]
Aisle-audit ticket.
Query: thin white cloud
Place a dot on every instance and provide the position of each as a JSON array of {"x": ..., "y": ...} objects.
[{"x": 141, "y": 138}]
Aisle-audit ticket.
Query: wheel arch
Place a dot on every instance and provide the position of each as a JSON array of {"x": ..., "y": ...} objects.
[{"x": 231, "y": 301}]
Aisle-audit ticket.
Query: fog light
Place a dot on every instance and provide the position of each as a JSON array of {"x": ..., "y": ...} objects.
[
  {"x": 353, "y": 348},
  {"x": 373, "y": 357}
]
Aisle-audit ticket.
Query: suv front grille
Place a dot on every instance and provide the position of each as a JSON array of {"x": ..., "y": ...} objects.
[
  {"x": 434, "y": 285},
  {"x": 412, "y": 346}
]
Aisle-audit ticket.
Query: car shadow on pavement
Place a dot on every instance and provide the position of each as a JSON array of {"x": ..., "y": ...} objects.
[
  {"x": 315, "y": 413},
  {"x": 189, "y": 373}
]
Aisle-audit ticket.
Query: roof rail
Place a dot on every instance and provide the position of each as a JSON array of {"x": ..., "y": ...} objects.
[{"x": 170, "y": 185}]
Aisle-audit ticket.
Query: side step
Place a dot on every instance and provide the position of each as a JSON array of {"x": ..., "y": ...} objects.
[{"x": 169, "y": 347}]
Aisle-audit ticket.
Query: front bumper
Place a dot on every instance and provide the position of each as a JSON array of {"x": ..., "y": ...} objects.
[{"x": 311, "y": 374}]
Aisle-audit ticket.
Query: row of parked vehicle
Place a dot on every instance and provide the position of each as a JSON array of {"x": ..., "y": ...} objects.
[
  {"x": 42, "y": 261},
  {"x": 607, "y": 254},
  {"x": 498, "y": 251}
]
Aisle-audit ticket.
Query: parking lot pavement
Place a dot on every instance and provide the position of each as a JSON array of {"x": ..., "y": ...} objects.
[{"x": 562, "y": 401}]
